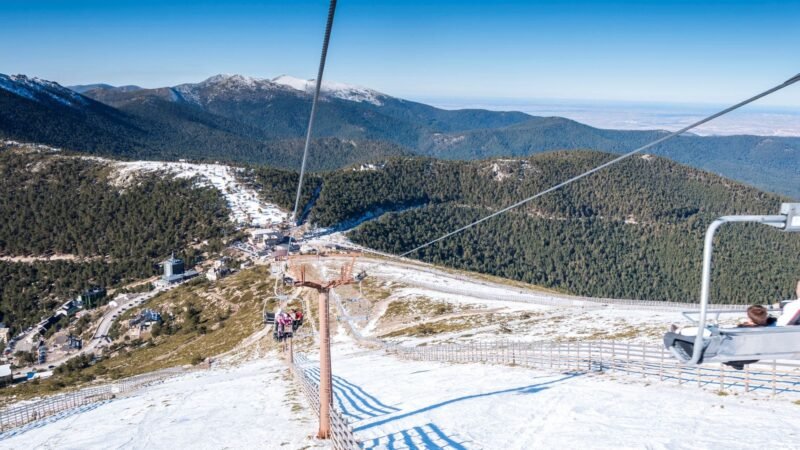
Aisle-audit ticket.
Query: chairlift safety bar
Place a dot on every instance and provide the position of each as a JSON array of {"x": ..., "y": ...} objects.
[
  {"x": 690, "y": 315},
  {"x": 788, "y": 220}
]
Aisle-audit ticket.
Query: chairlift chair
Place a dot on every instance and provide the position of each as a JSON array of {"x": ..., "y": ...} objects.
[{"x": 713, "y": 343}]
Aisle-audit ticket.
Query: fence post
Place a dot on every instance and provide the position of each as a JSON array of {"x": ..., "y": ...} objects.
[
  {"x": 513, "y": 353},
  {"x": 559, "y": 357},
  {"x": 747, "y": 378},
  {"x": 589, "y": 363},
  {"x": 613, "y": 356},
  {"x": 628, "y": 353},
  {"x": 774, "y": 375},
  {"x": 644, "y": 362}
]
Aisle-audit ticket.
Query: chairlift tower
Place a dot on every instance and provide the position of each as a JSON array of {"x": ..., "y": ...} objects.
[{"x": 325, "y": 379}]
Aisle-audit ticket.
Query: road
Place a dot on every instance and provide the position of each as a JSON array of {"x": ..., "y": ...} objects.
[{"x": 98, "y": 339}]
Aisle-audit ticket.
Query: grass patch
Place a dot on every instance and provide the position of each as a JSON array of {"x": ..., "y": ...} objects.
[
  {"x": 417, "y": 307},
  {"x": 626, "y": 333},
  {"x": 375, "y": 290},
  {"x": 439, "y": 327}
]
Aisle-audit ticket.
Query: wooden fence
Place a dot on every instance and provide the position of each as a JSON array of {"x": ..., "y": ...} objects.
[
  {"x": 342, "y": 435},
  {"x": 18, "y": 415},
  {"x": 643, "y": 361}
]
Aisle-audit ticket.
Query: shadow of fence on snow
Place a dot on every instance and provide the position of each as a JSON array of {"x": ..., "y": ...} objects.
[{"x": 352, "y": 400}]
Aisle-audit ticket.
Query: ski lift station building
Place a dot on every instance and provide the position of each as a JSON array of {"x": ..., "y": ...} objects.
[
  {"x": 174, "y": 272},
  {"x": 266, "y": 237}
]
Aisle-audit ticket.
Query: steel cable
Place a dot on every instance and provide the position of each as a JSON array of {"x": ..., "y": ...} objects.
[
  {"x": 783, "y": 85},
  {"x": 322, "y": 58}
]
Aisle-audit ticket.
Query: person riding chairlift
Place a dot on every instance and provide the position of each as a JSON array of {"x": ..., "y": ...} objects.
[
  {"x": 757, "y": 316},
  {"x": 282, "y": 323},
  {"x": 298, "y": 319},
  {"x": 791, "y": 311}
]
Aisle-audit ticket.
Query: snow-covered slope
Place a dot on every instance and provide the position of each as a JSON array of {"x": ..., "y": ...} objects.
[
  {"x": 246, "y": 207},
  {"x": 239, "y": 86},
  {"x": 40, "y": 90},
  {"x": 421, "y": 404},
  {"x": 332, "y": 89},
  {"x": 399, "y": 404},
  {"x": 248, "y": 406}
]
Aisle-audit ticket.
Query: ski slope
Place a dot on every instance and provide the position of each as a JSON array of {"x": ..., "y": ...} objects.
[
  {"x": 397, "y": 404},
  {"x": 251, "y": 405},
  {"x": 393, "y": 403}
]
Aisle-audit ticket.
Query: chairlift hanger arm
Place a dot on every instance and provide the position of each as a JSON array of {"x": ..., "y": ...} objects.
[{"x": 782, "y": 221}]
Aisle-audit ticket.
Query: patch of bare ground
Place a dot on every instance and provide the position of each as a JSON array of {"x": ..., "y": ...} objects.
[{"x": 47, "y": 258}]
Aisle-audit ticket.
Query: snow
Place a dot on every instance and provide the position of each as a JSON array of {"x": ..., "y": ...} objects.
[
  {"x": 503, "y": 310},
  {"x": 30, "y": 147},
  {"x": 234, "y": 80},
  {"x": 394, "y": 403},
  {"x": 297, "y": 84},
  {"x": 10, "y": 85},
  {"x": 332, "y": 89},
  {"x": 213, "y": 87},
  {"x": 247, "y": 406},
  {"x": 32, "y": 88},
  {"x": 246, "y": 207}
]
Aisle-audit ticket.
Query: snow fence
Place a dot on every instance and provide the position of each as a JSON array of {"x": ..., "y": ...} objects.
[
  {"x": 18, "y": 415},
  {"x": 631, "y": 359}
]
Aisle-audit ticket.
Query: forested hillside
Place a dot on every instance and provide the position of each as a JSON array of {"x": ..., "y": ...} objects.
[
  {"x": 633, "y": 231},
  {"x": 769, "y": 163},
  {"x": 64, "y": 205}
]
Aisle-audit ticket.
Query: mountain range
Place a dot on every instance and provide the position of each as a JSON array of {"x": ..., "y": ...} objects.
[{"x": 262, "y": 121}]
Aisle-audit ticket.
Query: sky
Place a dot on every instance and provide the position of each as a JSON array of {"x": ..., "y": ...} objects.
[{"x": 676, "y": 51}]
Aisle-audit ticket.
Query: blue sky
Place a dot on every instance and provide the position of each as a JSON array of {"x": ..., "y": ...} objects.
[{"x": 654, "y": 51}]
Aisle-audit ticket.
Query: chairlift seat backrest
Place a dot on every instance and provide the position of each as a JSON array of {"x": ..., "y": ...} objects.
[{"x": 739, "y": 344}]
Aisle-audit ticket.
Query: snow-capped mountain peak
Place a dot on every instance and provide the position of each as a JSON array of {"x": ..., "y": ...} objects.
[
  {"x": 295, "y": 83},
  {"x": 234, "y": 81},
  {"x": 241, "y": 85},
  {"x": 37, "y": 89},
  {"x": 332, "y": 89}
]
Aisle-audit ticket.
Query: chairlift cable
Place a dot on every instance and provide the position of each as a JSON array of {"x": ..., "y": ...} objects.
[
  {"x": 674, "y": 134},
  {"x": 323, "y": 57}
]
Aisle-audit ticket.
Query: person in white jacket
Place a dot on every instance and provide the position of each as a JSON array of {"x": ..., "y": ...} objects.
[{"x": 791, "y": 312}]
